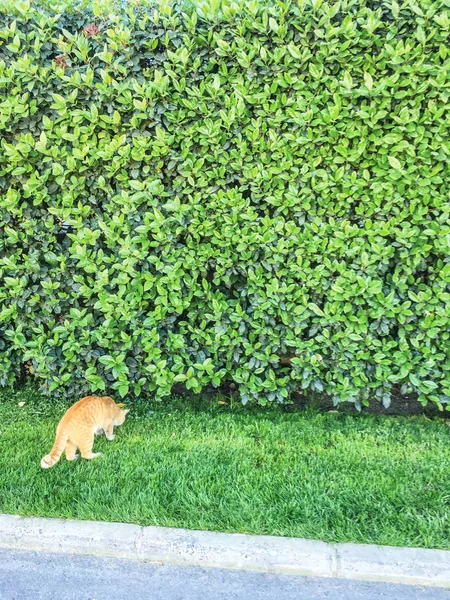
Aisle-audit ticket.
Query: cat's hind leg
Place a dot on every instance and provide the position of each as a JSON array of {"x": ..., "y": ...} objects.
[
  {"x": 109, "y": 431},
  {"x": 85, "y": 446},
  {"x": 71, "y": 451}
]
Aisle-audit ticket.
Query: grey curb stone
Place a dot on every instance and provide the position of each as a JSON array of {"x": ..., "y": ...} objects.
[
  {"x": 76, "y": 537},
  {"x": 237, "y": 551},
  {"x": 400, "y": 565},
  {"x": 232, "y": 551}
]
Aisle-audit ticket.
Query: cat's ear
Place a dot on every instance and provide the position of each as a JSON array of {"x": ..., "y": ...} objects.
[{"x": 125, "y": 412}]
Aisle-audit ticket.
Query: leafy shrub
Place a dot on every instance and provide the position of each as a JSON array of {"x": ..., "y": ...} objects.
[{"x": 252, "y": 192}]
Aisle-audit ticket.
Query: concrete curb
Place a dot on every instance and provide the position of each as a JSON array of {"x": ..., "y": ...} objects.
[{"x": 228, "y": 550}]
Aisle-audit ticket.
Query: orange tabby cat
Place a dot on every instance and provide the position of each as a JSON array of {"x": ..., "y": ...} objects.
[{"x": 93, "y": 414}]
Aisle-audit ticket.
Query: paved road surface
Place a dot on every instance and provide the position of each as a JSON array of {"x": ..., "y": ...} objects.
[{"x": 38, "y": 576}]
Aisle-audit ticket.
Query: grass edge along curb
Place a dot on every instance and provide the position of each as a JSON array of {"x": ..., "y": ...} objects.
[{"x": 228, "y": 551}]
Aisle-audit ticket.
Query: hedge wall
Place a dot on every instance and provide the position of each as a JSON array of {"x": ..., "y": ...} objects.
[{"x": 255, "y": 192}]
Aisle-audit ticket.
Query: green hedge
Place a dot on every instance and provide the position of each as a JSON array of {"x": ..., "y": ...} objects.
[{"x": 255, "y": 193}]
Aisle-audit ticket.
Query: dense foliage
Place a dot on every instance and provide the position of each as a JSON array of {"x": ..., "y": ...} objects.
[{"x": 252, "y": 192}]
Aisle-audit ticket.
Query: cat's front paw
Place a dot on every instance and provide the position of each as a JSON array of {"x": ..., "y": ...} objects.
[{"x": 110, "y": 437}]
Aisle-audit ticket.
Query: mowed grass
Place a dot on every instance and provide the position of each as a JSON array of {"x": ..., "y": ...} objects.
[{"x": 204, "y": 465}]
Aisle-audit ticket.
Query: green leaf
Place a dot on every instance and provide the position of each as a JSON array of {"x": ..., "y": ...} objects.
[
  {"x": 273, "y": 24},
  {"x": 394, "y": 162},
  {"x": 294, "y": 51},
  {"x": 315, "y": 309},
  {"x": 368, "y": 80}
]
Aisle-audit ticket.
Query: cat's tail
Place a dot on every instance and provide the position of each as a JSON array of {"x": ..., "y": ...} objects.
[{"x": 55, "y": 453}]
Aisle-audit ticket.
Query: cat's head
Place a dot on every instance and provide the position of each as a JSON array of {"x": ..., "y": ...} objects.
[{"x": 121, "y": 416}]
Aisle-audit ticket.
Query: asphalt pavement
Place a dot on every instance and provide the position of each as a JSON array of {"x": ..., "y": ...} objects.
[{"x": 29, "y": 575}]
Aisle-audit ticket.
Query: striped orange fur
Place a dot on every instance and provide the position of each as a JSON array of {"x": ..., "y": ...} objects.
[{"x": 90, "y": 415}]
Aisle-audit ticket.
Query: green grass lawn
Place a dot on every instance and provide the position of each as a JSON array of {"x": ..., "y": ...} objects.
[{"x": 204, "y": 465}]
